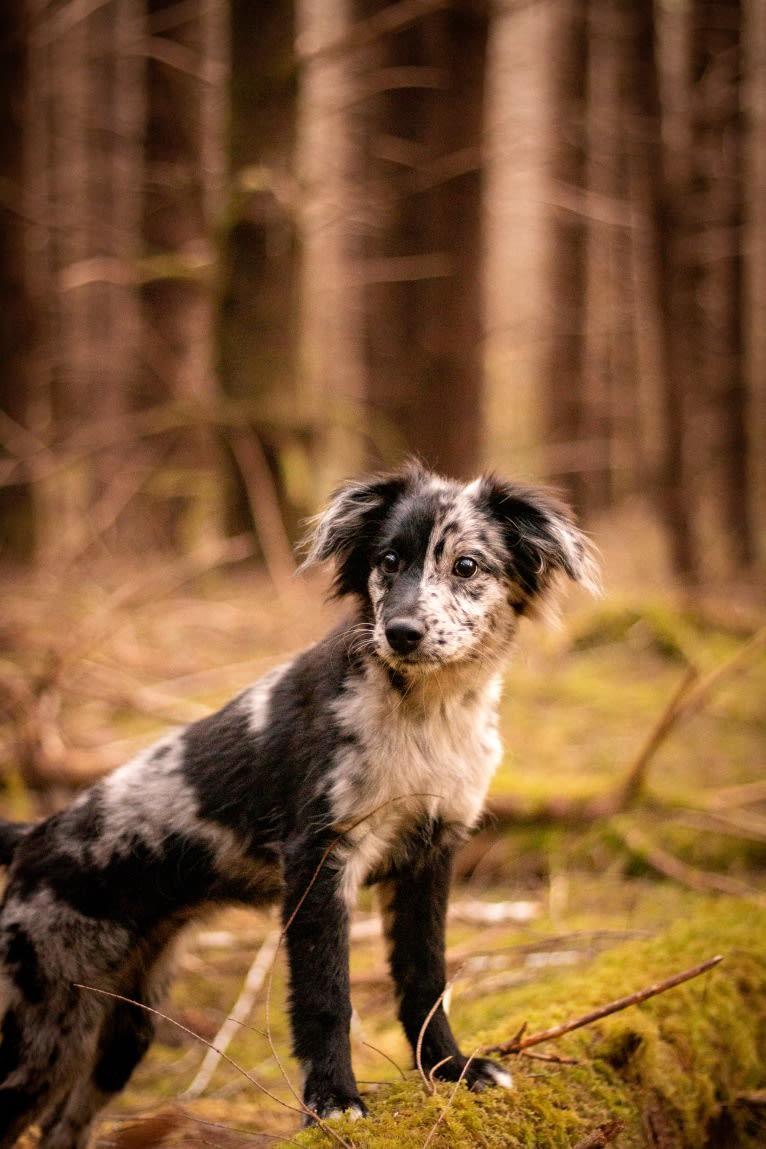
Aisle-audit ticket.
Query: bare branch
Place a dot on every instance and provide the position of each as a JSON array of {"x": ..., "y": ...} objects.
[
  {"x": 672, "y": 867},
  {"x": 241, "y": 1010},
  {"x": 517, "y": 1044}
]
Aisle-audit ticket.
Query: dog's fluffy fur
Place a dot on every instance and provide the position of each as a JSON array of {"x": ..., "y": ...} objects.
[{"x": 365, "y": 759}]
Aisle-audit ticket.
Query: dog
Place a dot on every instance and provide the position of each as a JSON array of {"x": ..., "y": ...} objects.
[{"x": 366, "y": 759}]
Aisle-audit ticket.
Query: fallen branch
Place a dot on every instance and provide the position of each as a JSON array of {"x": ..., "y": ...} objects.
[
  {"x": 241, "y": 1010},
  {"x": 672, "y": 867},
  {"x": 522, "y": 1041},
  {"x": 690, "y": 695}
]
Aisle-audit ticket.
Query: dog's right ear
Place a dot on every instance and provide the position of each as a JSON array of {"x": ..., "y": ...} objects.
[{"x": 347, "y": 530}]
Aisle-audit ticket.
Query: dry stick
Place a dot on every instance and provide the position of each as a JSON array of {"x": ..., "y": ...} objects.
[
  {"x": 679, "y": 871},
  {"x": 631, "y": 785},
  {"x": 517, "y": 1044},
  {"x": 743, "y": 795},
  {"x": 427, "y": 1082},
  {"x": 715, "y": 678},
  {"x": 256, "y": 976},
  {"x": 450, "y": 1100},
  {"x": 264, "y": 506}
]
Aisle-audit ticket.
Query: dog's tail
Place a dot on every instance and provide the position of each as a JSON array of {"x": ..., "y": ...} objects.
[{"x": 11, "y": 833}]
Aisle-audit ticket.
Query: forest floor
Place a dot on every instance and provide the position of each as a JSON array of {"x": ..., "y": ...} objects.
[{"x": 565, "y": 902}]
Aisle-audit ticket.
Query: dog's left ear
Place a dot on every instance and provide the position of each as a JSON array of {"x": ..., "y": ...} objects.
[
  {"x": 541, "y": 537},
  {"x": 347, "y": 530}
]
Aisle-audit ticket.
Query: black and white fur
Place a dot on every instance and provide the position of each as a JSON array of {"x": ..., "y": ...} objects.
[{"x": 365, "y": 759}]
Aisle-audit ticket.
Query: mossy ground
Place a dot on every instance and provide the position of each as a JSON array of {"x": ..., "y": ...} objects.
[{"x": 577, "y": 708}]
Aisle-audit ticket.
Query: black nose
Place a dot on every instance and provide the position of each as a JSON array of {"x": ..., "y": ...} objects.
[{"x": 404, "y": 634}]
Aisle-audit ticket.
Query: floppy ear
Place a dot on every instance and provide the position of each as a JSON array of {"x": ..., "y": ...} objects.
[
  {"x": 541, "y": 537},
  {"x": 347, "y": 530}
]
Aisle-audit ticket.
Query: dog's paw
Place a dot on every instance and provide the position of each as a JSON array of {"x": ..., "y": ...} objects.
[
  {"x": 481, "y": 1072},
  {"x": 477, "y": 1072},
  {"x": 333, "y": 1106}
]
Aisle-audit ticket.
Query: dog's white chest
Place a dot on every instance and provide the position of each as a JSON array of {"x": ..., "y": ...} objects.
[{"x": 404, "y": 762}]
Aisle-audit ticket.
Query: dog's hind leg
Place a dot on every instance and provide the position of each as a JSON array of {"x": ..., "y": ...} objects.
[
  {"x": 43, "y": 1056},
  {"x": 125, "y": 1036}
]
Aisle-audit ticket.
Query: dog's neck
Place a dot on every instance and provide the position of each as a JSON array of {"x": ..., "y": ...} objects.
[{"x": 419, "y": 690}]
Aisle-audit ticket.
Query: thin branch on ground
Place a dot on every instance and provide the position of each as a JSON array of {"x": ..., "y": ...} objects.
[
  {"x": 428, "y": 1084},
  {"x": 450, "y": 1101},
  {"x": 672, "y": 867},
  {"x": 263, "y": 500},
  {"x": 522, "y": 1041},
  {"x": 241, "y": 1010},
  {"x": 689, "y": 697}
]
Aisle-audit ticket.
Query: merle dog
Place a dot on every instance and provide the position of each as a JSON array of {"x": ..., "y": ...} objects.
[{"x": 366, "y": 759}]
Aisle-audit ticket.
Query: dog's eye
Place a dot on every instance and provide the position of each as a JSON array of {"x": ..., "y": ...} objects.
[
  {"x": 465, "y": 567},
  {"x": 389, "y": 562}
]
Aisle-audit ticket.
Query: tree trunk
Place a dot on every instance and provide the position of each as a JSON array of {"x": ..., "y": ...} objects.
[
  {"x": 660, "y": 148},
  {"x": 566, "y": 265},
  {"x": 258, "y": 317},
  {"x": 187, "y": 75},
  {"x": 421, "y": 267},
  {"x": 717, "y": 205},
  {"x": 331, "y": 368},
  {"x": 82, "y": 133},
  {"x": 15, "y": 316}
]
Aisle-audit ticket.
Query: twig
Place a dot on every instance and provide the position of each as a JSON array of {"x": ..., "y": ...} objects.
[
  {"x": 255, "y": 978},
  {"x": 602, "y": 1136},
  {"x": 746, "y": 825},
  {"x": 450, "y": 1100},
  {"x": 631, "y": 785},
  {"x": 554, "y": 1058},
  {"x": 698, "y": 696},
  {"x": 428, "y": 1084},
  {"x": 264, "y": 506},
  {"x": 517, "y": 1044},
  {"x": 672, "y": 867},
  {"x": 689, "y": 697},
  {"x": 185, "y": 1029},
  {"x": 743, "y": 795}
]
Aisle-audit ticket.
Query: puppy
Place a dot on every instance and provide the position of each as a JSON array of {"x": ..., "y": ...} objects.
[{"x": 366, "y": 759}]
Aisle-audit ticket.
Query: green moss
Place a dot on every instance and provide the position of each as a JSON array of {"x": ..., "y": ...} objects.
[{"x": 673, "y": 1065}]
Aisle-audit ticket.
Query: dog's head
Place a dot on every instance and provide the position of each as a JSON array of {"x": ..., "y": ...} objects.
[{"x": 444, "y": 569}]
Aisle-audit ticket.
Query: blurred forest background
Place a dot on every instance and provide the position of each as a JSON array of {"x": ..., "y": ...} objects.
[
  {"x": 250, "y": 247},
  {"x": 247, "y": 248}
]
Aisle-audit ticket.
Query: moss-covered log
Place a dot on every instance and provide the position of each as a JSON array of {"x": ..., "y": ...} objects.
[{"x": 682, "y": 1071}]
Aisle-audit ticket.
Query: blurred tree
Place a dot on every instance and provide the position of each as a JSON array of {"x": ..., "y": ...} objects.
[
  {"x": 717, "y": 187},
  {"x": 564, "y": 367},
  {"x": 331, "y": 366},
  {"x": 420, "y": 171},
  {"x": 183, "y": 208},
  {"x": 82, "y": 143},
  {"x": 661, "y": 150},
  {"x": 257, "y": 328},
  {"x": 15, "y": 318}
]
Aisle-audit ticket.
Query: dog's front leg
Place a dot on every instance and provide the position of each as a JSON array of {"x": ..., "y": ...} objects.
[
  {"x": 414, "y": 906},
  {"x": 316, "y": 918}
]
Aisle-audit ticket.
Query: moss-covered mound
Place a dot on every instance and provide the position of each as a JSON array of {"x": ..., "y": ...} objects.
[{"x": 681, "y": 1071}]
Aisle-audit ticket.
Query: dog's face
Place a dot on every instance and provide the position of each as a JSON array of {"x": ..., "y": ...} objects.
[{"x": 443, "y": 568}]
